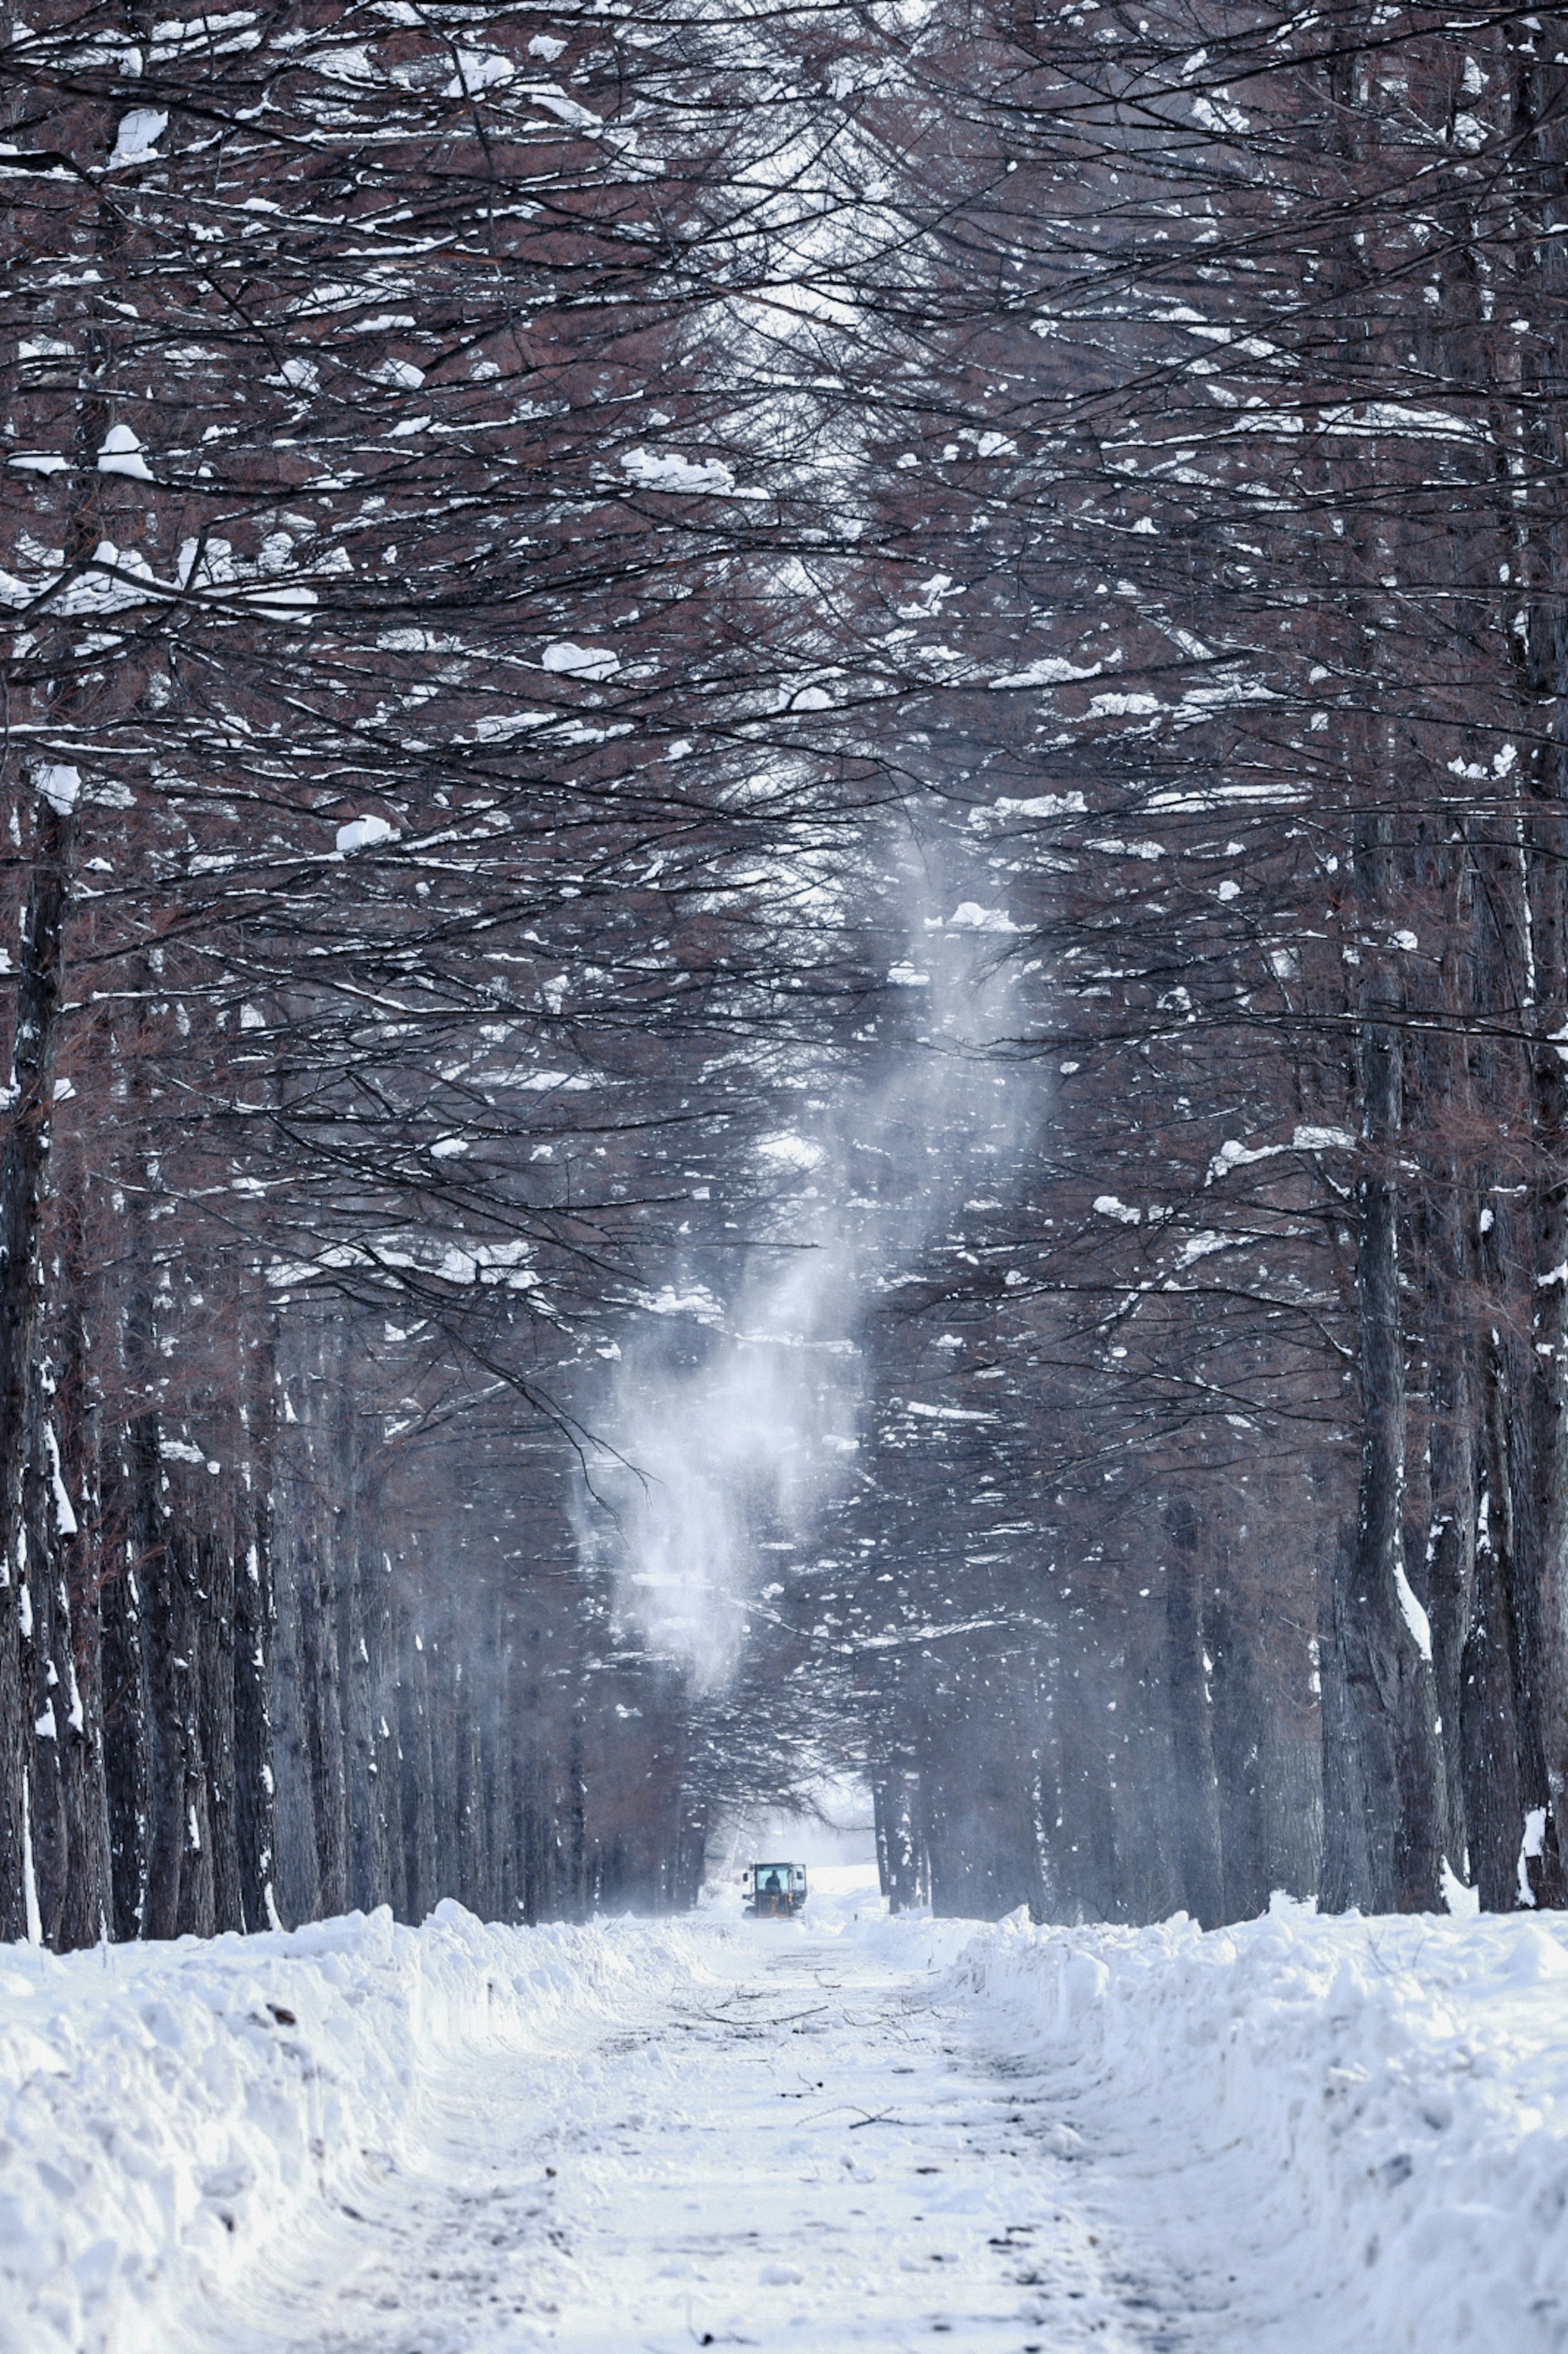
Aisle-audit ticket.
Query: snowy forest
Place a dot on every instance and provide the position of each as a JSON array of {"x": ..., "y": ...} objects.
[{"x": 785, "y": 953}]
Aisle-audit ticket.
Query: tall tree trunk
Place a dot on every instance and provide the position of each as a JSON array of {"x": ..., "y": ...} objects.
[
  {"x": 1386, "y": 1638},
  {"x": 1454, "y": 1405},
  {"x": 472, "y": 1855},
  {"x": 180, "y": 1662},
  {"x": 1543, "y": 1605},
  {"x": 1450, "y": 1580},
  {"x": 421, "y": 1868},
  {"x": 900, "y": 1862},
  {"x": 1200, "y": 1859},
  {"x": 355, "y": 1621},
  {"x": 1347, "y": 1878},
  {"x": 126, "y": 1763},
  {"x": 1494, "y": 1738},
  {"x": 83, "y": 1757},
  {"x": 389, "y": 1749},
  {"x": 496, "y": 1737},
  {"x": 1539, "y": 645},
  {"x": 43, "y": 1634},
  {"x": 576, "y": 1835},
  {"x": 24, "y": 1176},
  {"x": 315, "y": 1574},
  {"x": 221, "y": 1583},
  {"x": 1230, "y": 1636},
  {"x": 194, "y": 1553},
  {"x": 299, "y": 1875},
  {"x": 255, "y": 1782}
]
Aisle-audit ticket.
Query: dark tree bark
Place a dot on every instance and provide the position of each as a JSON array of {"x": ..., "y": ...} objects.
[
  {"x": 88, "y": 1907},
  {"x": 360, "y": 1681},
  {"x": 421, "y": 1862},
  {"x": 315, "y": 1572},
  {"x": 1387, "y": 1654},
  {"x": 45, "y": 1630},
  {"x": 1492, "y": 1734},
  {"x": 1347, "y": 1881},
  {"x": 23, "y": 1177},
  {"x": 254, "y": 1797},
  {"x": 1199, "y": 1858},
  {"x": 126, "y": 1765},
  {"x": 218, "y": 1722},
  {"x": 299, "y": 1885}
]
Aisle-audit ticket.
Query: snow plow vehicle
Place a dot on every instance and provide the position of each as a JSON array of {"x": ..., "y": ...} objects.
[{"x": 774, "y": 1892}]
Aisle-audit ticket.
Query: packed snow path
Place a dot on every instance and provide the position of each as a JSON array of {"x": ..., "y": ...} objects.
[
  {"x": 1293, "y": 2136},
  {"x": 800, "y": 2150}
]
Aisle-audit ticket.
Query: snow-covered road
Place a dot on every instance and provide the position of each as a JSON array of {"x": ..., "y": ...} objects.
[
  {"x": 1294, "y": 2136},
  {"x": 798, "y": 2149}
]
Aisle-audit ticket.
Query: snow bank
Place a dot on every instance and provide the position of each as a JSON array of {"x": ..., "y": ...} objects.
[
  {"x": 165, "y": 2111},
  {"x": 1381, "y": 2105},
  {"x": 1321, "y": 2134}
]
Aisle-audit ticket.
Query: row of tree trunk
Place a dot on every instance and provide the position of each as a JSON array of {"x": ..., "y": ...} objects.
[{"x": 440, "y": 862}]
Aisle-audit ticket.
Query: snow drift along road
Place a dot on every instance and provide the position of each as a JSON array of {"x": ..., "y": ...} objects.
[
  {"x": 1324, "y": 2135},
  {"x": 170, "y": 2116},
  {"x": 1299, "y": 2137}
]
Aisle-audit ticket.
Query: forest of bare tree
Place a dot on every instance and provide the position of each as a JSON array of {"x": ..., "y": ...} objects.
[{"x": 786, "y": 917}]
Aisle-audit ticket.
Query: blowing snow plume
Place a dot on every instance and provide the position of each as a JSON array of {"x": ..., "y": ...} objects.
[{"x": 735, "y": 1419}]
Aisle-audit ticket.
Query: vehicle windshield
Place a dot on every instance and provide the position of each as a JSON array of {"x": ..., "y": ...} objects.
[{"x": 774, "y": 1879}]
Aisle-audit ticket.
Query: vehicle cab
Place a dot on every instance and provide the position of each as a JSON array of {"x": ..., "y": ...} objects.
[{"x": 774, "y": 1892}]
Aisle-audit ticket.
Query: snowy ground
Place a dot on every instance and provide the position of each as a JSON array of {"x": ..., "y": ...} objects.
[{"x": 1297, "y": 2137}]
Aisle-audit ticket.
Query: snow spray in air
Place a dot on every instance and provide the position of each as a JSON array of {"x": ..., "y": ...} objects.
[{"x": 735, "y": 1413}]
